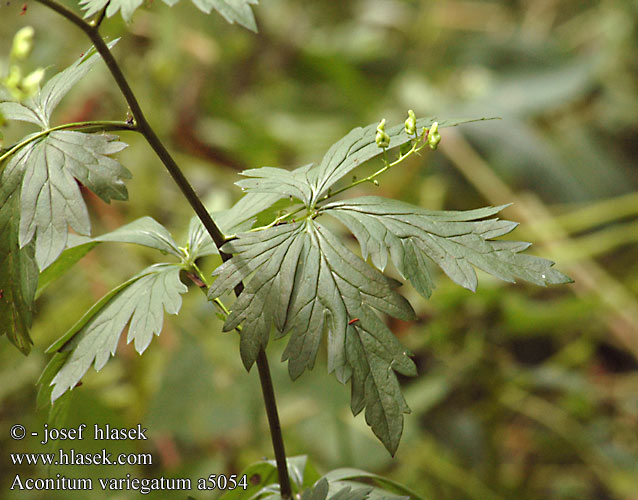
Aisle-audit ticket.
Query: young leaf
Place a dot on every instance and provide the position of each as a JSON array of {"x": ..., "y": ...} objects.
[
  {"x": 261, "y": 195},
  {"x": 456, "y": 241},
  {"x": 144, "y": 231},
  {"x": 358, "y": 147},
  {"x": 279, "y": 181},
  {"x": 238, "y": 11},
  {"x": 141, "y": 304},
  {"x": 38, "y": 109},
  {"x": 312, "y": 182},
  {"x": 304, "y": 280},
  {"x": 200, "y": 244}
]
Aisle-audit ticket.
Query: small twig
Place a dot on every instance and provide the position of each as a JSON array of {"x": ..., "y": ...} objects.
[{"x": 98, "y": 20}]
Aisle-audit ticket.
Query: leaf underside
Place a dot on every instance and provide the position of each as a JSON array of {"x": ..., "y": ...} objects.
[
  {"x": 40, "y": 197},
  {"x": 50, "y": 196},
  {"x": 305, "y": 281},
  {"x": 310, "y": 183},
  {"x": 456, "y": 241},
  {"x": 301, "y": 279},
  {"x": 140, "y": 305},
  {"x": 49, "y": 166},
  {"x": 234, "y": 11}
]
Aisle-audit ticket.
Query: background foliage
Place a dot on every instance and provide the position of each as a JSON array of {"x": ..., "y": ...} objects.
[{"x": 523, "y": 392}]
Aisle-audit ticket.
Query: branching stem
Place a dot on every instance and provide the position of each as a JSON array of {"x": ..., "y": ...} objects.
[{"x": 142, "y": 126}]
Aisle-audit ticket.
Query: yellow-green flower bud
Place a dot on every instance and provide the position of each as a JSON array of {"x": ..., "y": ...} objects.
[
  {"x": 433, "y": 136},
  {"x": 31, "y": 82},
  {"x": 22, "y": 43},
  {"x": 12, "y": 81},
  {"x": 410, "y": 123},
  {"x": 382, "y": 138}
]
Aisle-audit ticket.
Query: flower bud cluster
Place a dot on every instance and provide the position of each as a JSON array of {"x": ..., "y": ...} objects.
[
  {"x": 431, "y": 136},
  {"x": 21, "y": 87}
]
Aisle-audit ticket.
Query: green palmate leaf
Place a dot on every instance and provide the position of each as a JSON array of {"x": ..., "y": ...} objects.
[
  {"x": 358, "y": 147},
  {"x": 279, "y": 181},
  {"x": 313, "y": 182},
  {"x": 45, "y": 388},
  {"x": 127, "y": 7},
  {"x": 50, "y": 197},
  {"x": 455, "y": 241},
  {"x": 264, "y": 479},
  {"x": 234, "y": 11},
  {"x": 383, "y": 488},
  {"x": 350, "y": 493},
  {"x": 241, "y": 216},
  {"x": 321, "y": 490},
  {"x": 18, "y": 270},
  {"x": 140, "y": 303},
  {"x": 263, "y": 473},
  {"x": 77, "y": 247},
  {"x": 145, "y": 231},
  {"x": 263, "y": 191},
  {"x": 318, "y": 492},
  {"x": 238, "y": 11},
  {"x": 305, "y": 281},
  {"x": 49, "y": 165}
]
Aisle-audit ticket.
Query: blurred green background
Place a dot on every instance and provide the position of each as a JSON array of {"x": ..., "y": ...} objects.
[{"x": 524, "y": 392}]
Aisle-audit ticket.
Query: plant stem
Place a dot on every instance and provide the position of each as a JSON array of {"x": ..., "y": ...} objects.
[
  {"x": 267, "y": 391},
  {"x": 275, "y": 426},
  {"x": 142, "y": 126}
]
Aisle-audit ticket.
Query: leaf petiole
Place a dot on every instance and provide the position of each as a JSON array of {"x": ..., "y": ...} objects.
[{"x": 88, "y": 127}]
